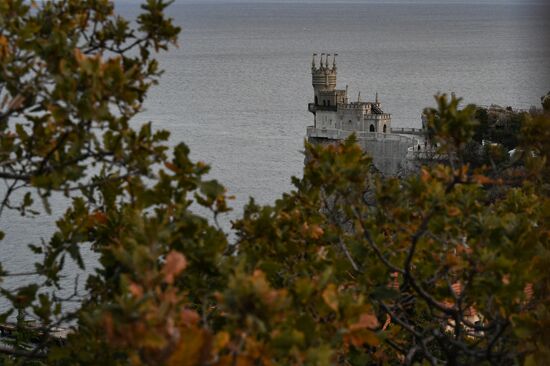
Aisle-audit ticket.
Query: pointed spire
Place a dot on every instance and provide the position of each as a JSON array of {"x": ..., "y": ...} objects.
[
  {"x": 313, "y": 61},
  {"x": 359, "y": 97},
  {"x": 334, "y": 61},
  {"x": 321, "y": 61},
  {"x": 326, "y": 61},
  {"x": 347, "y": 99},
  {"x": 377, "y": 98}
]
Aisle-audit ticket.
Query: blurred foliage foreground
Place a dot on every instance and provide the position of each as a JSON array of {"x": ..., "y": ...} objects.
[{"x": 448, "y": 266}]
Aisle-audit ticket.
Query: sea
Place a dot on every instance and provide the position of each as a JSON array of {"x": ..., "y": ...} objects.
[{"x": 236, "y": 87}]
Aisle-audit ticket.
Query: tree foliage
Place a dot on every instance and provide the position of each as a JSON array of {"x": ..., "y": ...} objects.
[{"x": 448, "y": 266}]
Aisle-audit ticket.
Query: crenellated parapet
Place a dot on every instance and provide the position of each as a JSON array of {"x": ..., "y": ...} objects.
[
  {"x": 323, "y": 75},
  {"x": 324, "y": 66}
]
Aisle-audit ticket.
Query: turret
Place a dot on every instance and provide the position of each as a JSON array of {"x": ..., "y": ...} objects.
[{"x": 323, "y": 78}]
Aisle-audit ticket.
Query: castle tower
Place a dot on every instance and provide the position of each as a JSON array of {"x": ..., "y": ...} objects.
[{"x": 323, "y": 77}]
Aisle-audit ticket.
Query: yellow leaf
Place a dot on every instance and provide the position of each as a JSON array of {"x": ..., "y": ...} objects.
[
  {"x": 78, "y": 55},
  {"x": 452, "y": 260},
  {"x": 220, "y": 341},
  {"x": 530, "y": 361},
  {"x": 371, "y": 338},
  {"x": 330, "y": 297}
]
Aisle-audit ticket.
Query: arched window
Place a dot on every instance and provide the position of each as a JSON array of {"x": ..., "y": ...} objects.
[
  {"x": 384, "y": 128},
  {"x": 316, "y": 101},
  {"x": 328, "y": 103},
  {"x": 371, "y": 128},
  {"x": 324, "y": 103}
]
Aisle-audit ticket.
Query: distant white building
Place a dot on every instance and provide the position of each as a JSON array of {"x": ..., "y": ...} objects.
[
  {"x": 332, "y": 108},
  {"x": 336, "y": 118}
]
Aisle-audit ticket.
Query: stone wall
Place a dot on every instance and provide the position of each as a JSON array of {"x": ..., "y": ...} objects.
[{"x": 388, "y": 155}]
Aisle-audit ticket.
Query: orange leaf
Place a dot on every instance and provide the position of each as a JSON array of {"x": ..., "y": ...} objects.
[
  {"x": 191, "y": 349},
  {"x": 316, "y": 231},
  {"x": 368, "y": 321},
  {"x": 238, "y": 360},
  {"x": 482, "y": 179},
  {"x": 136, "y": 290},
  {"x": 453, "y": 211},
  {"x": 98, "y": 217},
  {"x": 424, "y": 175},
  {"x": 171, "y": 166},
  {"x": 367, "y": 337},
  {"x": 457, "y": 288},
  {"x": 189, "y": 317},
  {"x": 175, "y": 263}
]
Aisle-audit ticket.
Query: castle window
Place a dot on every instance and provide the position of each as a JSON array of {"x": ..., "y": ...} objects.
[
  {"x": 324, "y": 103},
  {"x": 328, "y": 103},
  {"x": 384, "y": 128},
  {"x": 316, "y": 101},
  {"x": 371, "y": 128}
]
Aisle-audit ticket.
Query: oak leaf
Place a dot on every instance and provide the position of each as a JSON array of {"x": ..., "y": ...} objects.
[
  {"x": 175, "y": 263},
  {"x": 330, "y": 297}
]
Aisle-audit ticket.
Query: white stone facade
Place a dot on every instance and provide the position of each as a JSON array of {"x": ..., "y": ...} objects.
[
  {"x": 335, "y": 118},
  {"x": 331, "y": 106}
]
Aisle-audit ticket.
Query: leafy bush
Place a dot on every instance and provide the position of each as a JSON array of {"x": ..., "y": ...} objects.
[{"x": 346, "y": 269}]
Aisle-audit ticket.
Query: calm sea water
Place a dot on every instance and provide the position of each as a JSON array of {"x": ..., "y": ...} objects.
[{"x": 236, "y": 90}]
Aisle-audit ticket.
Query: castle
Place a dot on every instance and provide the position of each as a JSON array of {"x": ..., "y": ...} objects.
[
  {"x": 332, "y": 108},
  {"x": 336, "y": 118}
]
